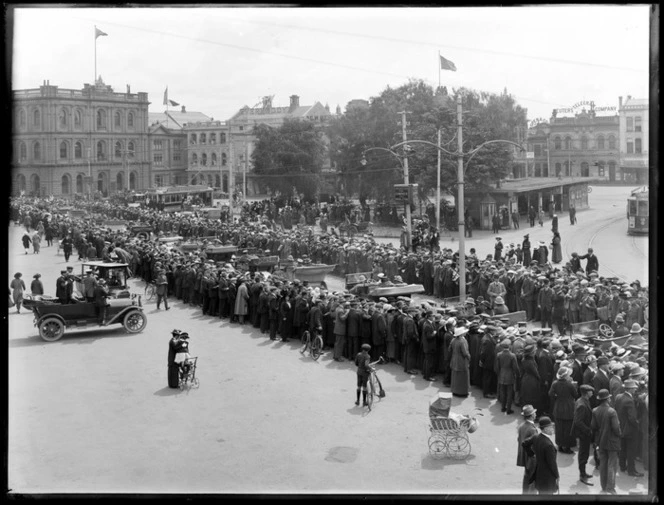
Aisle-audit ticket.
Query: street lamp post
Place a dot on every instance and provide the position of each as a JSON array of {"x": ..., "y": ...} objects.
[{"x": 460, "y": 180}]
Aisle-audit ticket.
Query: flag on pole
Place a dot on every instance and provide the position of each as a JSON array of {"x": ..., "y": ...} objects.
[
  {"x": 166, "y": 96},
  {"x": 99, "y": 33},
  {"x": 446, "y": 64},
  {"x": 173, "y": 103}
]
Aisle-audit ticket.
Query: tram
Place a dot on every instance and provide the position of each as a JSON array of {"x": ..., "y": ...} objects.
[
  {"x": 177, "y": 198},
  {"x": 637, "y": 211}
]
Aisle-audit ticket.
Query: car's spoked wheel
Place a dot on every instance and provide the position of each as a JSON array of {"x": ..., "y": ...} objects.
[
  {"x": 51, "y": 329},
  {"x": 135, "y": 322}
]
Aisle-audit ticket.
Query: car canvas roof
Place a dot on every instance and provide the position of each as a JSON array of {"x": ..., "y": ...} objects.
[{"x": 104, "y": 264}]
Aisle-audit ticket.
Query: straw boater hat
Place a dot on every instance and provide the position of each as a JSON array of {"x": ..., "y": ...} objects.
[{"x": 563, "y": 372}]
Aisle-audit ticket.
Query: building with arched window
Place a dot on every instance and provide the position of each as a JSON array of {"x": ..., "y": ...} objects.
[
  {"x": 577, "y": 143},
  {"x": 65, "y": 138}
]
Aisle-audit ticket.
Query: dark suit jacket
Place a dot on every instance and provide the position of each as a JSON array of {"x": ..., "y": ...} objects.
[
  {"x": 600, "y": 381},
  {"x": 626, "y": 409},
  {"x": 546, "y": 472},
  {"x": 525, "y": 431},
  {"x": 582, "y": 418},
  {"x": 606, "y": 428},
  {"x": 506, "y": 367},
  {"x": 100, "y": 296}
]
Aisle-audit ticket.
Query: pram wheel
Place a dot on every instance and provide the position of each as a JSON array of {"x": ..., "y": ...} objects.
[
  {"x": 437, "y": 447},
  {"x": 458, "y": 447}
]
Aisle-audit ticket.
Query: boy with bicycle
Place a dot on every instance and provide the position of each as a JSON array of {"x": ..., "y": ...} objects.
[{"x": 363, "y": 363}]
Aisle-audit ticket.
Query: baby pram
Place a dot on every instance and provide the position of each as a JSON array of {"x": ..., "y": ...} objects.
[{"x": 448, "y": 432}]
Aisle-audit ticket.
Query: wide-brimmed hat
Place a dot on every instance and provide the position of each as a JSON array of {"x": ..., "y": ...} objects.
[
  {"x": 636, "y": 328},
  {"x": 630, "y": 384},
  {"x": 528, "y": 410},
  {"x": 499, "y": 300},
  {"x": 563, "y": 372}
]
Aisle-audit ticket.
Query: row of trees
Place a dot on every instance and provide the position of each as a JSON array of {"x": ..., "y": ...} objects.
[{"x": 294, "y": 154}]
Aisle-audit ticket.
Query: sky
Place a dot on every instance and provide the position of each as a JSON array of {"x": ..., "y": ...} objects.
[{"x": 216, "y": 60}]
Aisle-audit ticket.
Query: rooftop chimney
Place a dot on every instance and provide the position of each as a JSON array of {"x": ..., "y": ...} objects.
[
  {"x": 294, "y": 102},
  {"x": 183, "y": 109}
]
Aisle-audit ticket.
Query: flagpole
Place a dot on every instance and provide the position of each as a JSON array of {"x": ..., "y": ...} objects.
[
  {"x": 438, "y": 68},
  {"x": 94, "y": 81}
]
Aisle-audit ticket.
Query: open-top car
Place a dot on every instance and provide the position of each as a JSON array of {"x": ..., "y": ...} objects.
[
  {"x": 115, "y": 275},
  {"x": 53, "y": 318}
]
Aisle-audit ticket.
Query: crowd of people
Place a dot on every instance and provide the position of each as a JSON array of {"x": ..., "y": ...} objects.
[{"x": 466, "y": 344}]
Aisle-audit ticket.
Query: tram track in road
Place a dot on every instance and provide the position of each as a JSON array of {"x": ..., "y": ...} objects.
[{"x": 633, "y": 244}]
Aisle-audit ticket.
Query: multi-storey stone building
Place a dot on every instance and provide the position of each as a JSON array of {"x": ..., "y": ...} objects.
[
  {"x": 78, "y": 141},
  {"x": 169, "y": 148},
  {"x": 240, "y": 128},
  {"x": 634, "y": 133}
]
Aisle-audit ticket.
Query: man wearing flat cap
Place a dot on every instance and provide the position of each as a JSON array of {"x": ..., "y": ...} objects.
[
  {"x": 507, "y": 371},
  {"x": 582, "y": 418},
  {"x": 605, "y": 428}
]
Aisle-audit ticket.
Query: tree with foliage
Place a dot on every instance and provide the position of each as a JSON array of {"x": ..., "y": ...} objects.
[
  {"x": 486, "y": 117},
  {"x": 290, "y": 156}
]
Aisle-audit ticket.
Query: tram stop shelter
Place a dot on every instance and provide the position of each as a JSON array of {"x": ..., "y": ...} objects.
[{"x": 548, "y": 194}]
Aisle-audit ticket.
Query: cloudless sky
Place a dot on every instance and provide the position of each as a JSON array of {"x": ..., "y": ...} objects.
[{"x": 216, "y": 60}]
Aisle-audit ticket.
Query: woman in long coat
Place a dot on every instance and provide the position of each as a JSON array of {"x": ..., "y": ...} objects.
[
  {"x": 36, "y": 243},
  {"x": 459, "y": 363},
  {"x": 563, "y": 396},
  {"x": 556, "y": 249},
  {"x": 37, "y": 286},
  {"x": 531, "y": 391},
  {"x": 242, "y": 302},
  {"x": 18, "y": 287},
  {"x": 26, "y": 241}
]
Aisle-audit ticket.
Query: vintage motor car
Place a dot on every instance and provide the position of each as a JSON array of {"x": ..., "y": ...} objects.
[
  {"x": 115, "y": 275},
  {"x": 52, "y": 318}
]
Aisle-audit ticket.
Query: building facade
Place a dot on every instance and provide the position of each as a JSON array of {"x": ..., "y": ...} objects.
[
  {"x": 243, "y": 141},
  {"x": 169, "y": 146},
  {"x": 634, "y": 135},
  {"x": 77, "y": 142},
  {"x": 208, "y": 153},
  {"x": 610, "y": 148}
]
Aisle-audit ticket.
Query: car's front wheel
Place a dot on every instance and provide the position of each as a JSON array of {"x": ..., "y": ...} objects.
[
  {"x": 51, "y": 329},
  {"x": 135, "y": 321}
]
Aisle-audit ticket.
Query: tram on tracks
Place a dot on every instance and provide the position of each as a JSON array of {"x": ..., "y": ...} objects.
[{"x": 638, "y": 211}]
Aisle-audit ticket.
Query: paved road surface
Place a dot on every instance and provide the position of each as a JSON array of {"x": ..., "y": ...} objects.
[{"x": 92, "y": 413}]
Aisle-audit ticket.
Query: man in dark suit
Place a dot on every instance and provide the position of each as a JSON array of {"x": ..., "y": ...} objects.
[
  {"x": 545, "y": 364},
  {"x": 601, "y": 379},
  {"x": 525, "y": 458},
  {"x": 428, "y": 346},
  {"x": 577, "y": 365},
  {"x": 487, "y": 361},
  {"x": 507, "y": 371},
  {"x": 546, "y": 472},
  {"x": 629, "y": 427},
  {"x": 606, "y": 433},
  {"x": 581, "y": 425},
  {"x": 353, "y": 329},
  {"x": 593, "y": 263},
  {"x": 101, "y": 292}
]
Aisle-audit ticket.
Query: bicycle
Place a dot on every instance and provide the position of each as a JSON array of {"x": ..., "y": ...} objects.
[
  {"x": 315, "y": 344},
  {"x": 375, "y": 387},
  {"x": 150, "y": 290}
]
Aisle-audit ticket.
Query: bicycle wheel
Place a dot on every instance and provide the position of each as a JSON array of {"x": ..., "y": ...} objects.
[
  {"x": 150, "y": 291},
  {"x": 370, "y": 393},
  {"x": 316, "y": 347},
  {"x": 304, "y": 340}
]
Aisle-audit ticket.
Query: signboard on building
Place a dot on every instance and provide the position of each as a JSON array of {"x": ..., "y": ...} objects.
[
  {"x": 588, "y": 105},
  {"x": 403, "y": 193}
]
